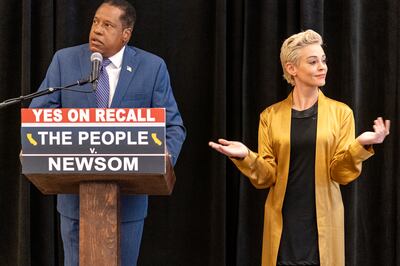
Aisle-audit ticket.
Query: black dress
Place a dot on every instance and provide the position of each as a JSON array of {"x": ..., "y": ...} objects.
[{"x": 299, "y": 241}]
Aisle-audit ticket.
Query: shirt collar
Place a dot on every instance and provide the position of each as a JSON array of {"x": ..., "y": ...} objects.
[{"x": 116, "y": 59}]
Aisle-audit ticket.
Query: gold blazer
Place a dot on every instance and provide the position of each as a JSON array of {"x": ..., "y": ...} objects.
[{"x": 338, "y": 160}]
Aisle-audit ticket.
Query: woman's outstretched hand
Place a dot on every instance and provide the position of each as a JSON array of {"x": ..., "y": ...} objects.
[
  {"x": 230, "y": 148},
  {"x": 381, "y": 130}
]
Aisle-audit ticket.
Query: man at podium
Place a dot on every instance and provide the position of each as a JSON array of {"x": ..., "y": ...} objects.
[{"x": 128, "y": 78}]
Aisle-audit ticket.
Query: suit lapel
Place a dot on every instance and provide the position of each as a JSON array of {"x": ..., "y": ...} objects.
[
  {"x": 128, "y": 69},
  {"x": 323, "y": 124},
  {"x": 84, "y": 60},
  {"x": 322, "y": 120},
  {"x": 285, "y": 121}
]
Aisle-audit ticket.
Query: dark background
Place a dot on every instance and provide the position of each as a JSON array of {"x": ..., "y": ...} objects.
[{"x": 223, "y": 58}]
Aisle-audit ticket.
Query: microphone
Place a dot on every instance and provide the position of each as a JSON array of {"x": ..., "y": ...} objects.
[{"x": 96, "y": 59}]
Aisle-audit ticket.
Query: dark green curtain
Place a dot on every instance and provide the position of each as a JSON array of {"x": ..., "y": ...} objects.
[{"x": 223, "y": 58}]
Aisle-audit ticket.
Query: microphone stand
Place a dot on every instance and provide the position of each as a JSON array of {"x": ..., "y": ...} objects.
[{"x": 44, "y": 92}]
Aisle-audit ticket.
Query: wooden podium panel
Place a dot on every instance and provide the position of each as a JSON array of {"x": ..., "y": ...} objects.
[{"x": 99, "y": 225}]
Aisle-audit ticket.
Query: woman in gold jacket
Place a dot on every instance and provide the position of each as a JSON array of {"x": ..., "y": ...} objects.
[{"x": 338, "y": 154}]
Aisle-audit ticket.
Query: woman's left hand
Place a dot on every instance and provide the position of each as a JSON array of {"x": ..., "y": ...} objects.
[{"x": 381, "y": 130}]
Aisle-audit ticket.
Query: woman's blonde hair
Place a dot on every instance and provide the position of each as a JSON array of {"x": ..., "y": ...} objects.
[{"x": 291, "y": 46}]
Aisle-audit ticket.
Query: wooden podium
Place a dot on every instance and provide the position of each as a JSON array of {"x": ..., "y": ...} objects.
[{"x": 98, "y": 183}]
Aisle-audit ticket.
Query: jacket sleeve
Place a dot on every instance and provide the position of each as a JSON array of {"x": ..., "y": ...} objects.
[
  {"x": 163, "y": 97},
  {"x": 260, "y": 168},
  {"x": 346, "y": 164},
  {"x": 52, "y": 79}
]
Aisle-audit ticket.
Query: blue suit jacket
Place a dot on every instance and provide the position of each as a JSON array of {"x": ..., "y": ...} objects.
[{"x": 146, "y": 85}]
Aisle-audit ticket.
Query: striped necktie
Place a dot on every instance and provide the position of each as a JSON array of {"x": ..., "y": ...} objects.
[{"x": 103, "y": 86}]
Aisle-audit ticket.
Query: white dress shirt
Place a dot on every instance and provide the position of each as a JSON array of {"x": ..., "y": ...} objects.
[{"x": 113, "y": 70}]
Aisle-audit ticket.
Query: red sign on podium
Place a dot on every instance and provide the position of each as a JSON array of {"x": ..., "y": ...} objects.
[
  {"x": 93, "y": 140},
  {"x": 62, "y": 148}
]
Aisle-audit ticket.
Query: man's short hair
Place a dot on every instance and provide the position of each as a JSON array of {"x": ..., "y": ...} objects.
[{"x": 128, "y": 19}]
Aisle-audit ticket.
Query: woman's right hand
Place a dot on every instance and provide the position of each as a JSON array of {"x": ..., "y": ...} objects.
[{"x": 234, "y": 149}]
